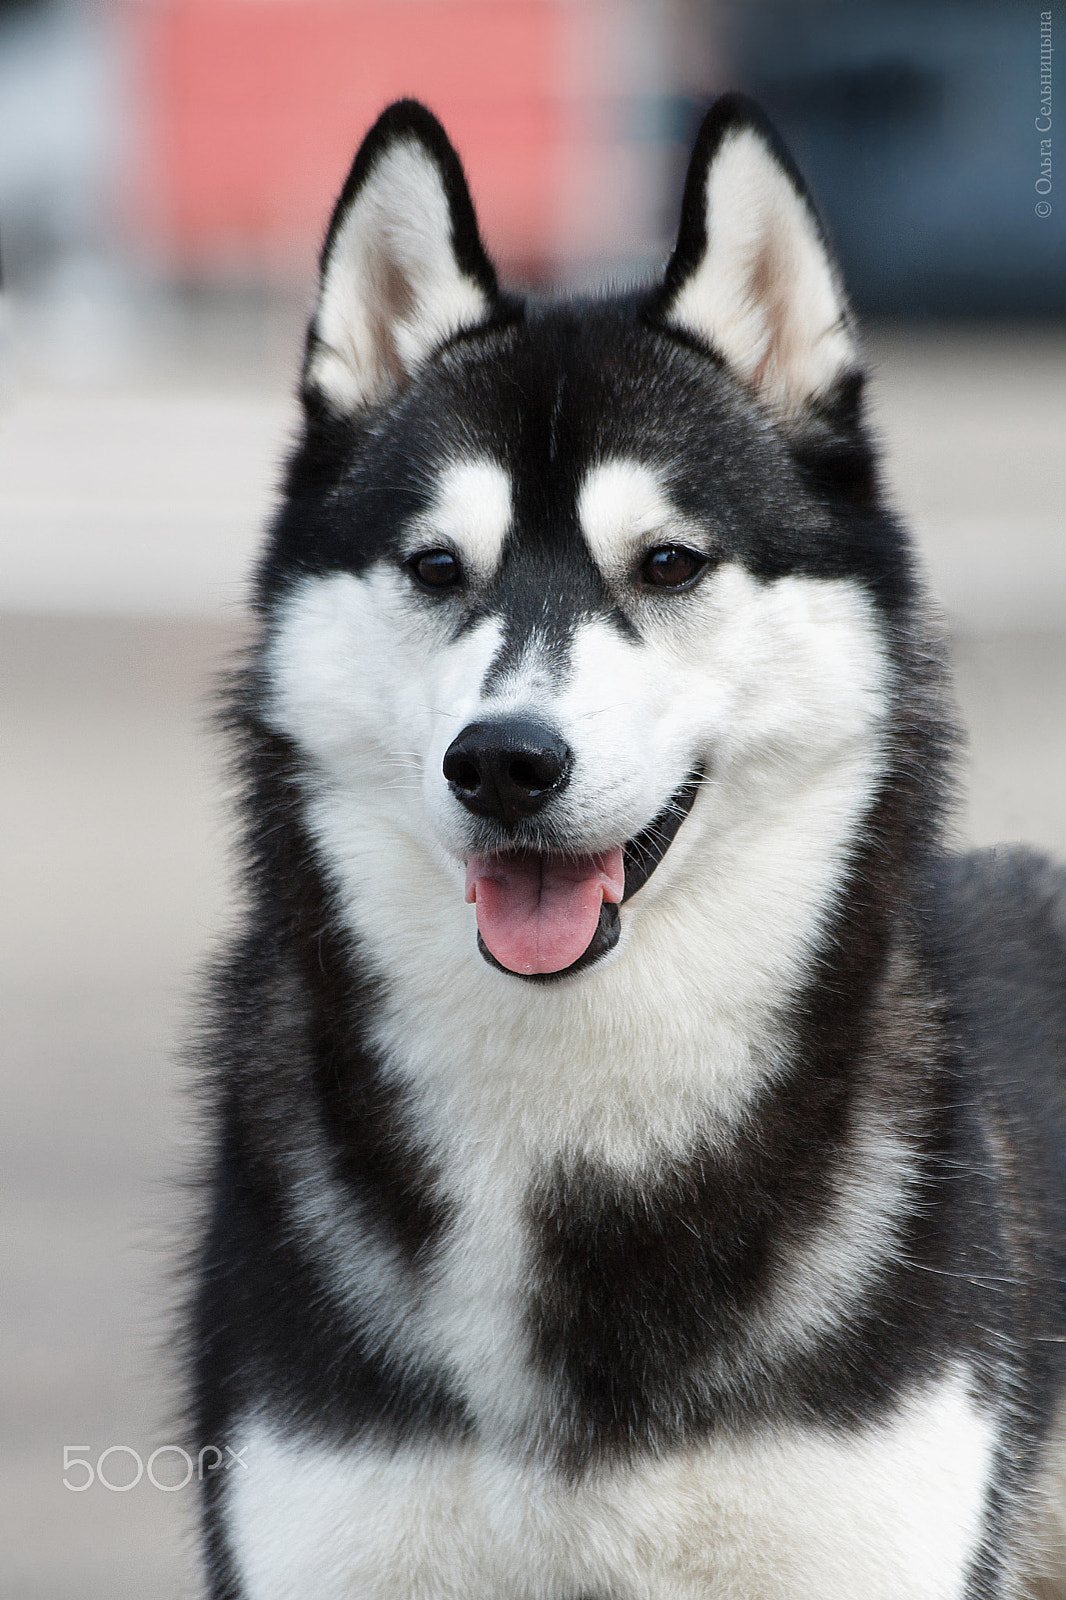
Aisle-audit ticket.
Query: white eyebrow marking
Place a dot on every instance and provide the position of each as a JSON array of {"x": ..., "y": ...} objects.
[
  {"x": 472, "y": 510},
  {"x": 619, "y": 504}
]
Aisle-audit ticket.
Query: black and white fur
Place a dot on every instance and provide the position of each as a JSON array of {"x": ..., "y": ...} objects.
[{"x": 729, "y": 1262}]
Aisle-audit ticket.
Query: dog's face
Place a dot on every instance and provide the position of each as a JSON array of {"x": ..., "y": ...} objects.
[{"x": 558, "y": 598}]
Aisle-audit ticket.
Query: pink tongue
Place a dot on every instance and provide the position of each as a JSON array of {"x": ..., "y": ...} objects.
[{"x": 538, "y": 914}]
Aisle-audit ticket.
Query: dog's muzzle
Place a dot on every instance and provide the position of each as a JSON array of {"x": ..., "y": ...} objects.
[{"x": 547, "y": 916}]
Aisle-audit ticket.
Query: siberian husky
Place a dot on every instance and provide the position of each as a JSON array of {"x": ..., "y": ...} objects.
[{"x": 637, "y": 1160}]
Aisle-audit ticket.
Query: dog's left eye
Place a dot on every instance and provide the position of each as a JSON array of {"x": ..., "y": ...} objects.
[
  {"x": 670, "y": 566},
  {"x": 436, "y": 569}
]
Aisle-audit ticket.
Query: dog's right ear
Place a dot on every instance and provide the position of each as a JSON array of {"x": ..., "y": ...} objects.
[{"x": 402, "y": 268}]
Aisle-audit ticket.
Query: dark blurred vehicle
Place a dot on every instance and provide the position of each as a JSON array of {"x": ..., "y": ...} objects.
[{"x": 916, "y": 124}]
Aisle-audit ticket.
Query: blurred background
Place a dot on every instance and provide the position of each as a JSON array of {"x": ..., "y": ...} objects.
[{"x": 166, "y": 170}]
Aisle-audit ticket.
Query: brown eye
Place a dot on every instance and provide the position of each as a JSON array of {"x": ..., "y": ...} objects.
[
  {"x": 671, "y": 567},
  {"x": 436, "y": 569}
]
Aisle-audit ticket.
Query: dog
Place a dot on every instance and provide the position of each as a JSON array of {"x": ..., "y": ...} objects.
[{"x": 637, "y": 1141}]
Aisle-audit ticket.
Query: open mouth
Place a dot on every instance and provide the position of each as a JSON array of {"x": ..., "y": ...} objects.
[{"x": 545, "y": 916}]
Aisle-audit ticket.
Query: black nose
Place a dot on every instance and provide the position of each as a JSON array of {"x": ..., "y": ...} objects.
[{"x": 507, "y": 769}]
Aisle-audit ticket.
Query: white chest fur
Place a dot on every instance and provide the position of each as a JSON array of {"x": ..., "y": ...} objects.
[{"x": 893, "y": 1511}]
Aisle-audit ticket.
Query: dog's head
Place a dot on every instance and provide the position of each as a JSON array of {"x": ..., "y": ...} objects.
[{"x": 563, "y": 596}]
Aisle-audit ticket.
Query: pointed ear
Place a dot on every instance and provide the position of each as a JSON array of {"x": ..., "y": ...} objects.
[
  {"x": 751, "y": 274},
  {"x": 402, "y": 268}
]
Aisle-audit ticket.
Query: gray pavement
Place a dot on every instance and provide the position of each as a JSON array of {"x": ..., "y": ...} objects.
[{"x": 114, "y": 887}]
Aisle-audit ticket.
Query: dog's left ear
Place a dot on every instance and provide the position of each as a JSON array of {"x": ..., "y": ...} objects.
[
  {"x": 751, "y": 275},
  {"x": 403, "y": 268}
]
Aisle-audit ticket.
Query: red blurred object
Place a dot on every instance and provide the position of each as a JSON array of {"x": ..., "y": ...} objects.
[{"x": 251, "y": 111}]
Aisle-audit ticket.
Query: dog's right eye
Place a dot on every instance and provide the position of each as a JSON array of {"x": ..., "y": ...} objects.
[
  {"x": 436, "y": 569},
  {"x": 671, "y": 566}
]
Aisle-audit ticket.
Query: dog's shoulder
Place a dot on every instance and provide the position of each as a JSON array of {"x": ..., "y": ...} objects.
[
  {"x": 997, "y": 933},
  {"x": 998, "y": 927}
]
